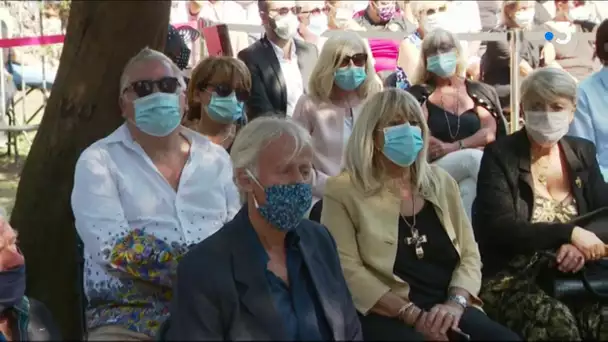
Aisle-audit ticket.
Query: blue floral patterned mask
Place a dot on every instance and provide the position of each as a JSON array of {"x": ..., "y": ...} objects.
[{"x": 285, "y": 204}]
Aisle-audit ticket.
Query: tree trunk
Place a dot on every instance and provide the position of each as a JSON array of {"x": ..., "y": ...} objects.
[{"x": 101, "y": 37}]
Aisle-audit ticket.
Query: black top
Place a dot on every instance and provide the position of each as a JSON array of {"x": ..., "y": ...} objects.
[
  {"x": 495, "y": 64},
  {"x": 298, "y": 303},
  {"x": 429, "y": 278},
  {"x": 503, "y": 207},
  {"x": 445, "y": 125}
]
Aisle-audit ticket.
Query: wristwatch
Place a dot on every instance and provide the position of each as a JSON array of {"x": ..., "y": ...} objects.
[
  {"x": 460, "y": 145},
  {"x": 460, "y": 300}
]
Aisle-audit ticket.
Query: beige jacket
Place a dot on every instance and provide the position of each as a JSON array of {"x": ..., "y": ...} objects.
[{"x": 366, "y": 233}]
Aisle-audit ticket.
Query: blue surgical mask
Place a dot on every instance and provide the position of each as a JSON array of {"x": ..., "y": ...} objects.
[
  {"x": 225, "y": 109},
  {"x": 350, "y": 78},
  {"x": 442, "y": 65},
  {"x": 12, "y": 287},
  {"x": 402, "y": 144},
  {"x": 157, "y": 114},
  {"x": 286, "y": 204}
]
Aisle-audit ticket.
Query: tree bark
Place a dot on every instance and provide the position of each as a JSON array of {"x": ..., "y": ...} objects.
[{"x": 83, "y": 108}]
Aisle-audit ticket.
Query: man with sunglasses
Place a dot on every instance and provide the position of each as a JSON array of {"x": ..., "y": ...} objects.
[
  {"x": 279, "y": 64},
  {"x": 142, "y": 196}
]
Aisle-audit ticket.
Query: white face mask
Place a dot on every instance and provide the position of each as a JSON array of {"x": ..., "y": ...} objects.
[
  {"x": 286, "y": 26},
  {"x": 317, "y": 24},
  {"x": 524, "y": 18},
  {"x": 434, "y": 21},
  {"x": 547, "y": 128},
  {"x": 579, "y": 13}
]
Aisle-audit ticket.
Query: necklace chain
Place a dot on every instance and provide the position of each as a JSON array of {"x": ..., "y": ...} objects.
[{"x": 447, "y": 120}]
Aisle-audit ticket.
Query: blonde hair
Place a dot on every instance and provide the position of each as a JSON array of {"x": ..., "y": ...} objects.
[
  {"x": 417, "y": 7},
  {"x": 438, "y": 41},
  {"x": 366, "y": 171},
  {"x": 334, "y": 50},
  {"x": 504, "y": 19}
]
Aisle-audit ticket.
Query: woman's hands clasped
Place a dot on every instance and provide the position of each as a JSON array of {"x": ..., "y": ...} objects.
[
  {"x": 588, "y": 243},
  {"x": 569, "y": 259},
  {"x": 435, "y": 324}
]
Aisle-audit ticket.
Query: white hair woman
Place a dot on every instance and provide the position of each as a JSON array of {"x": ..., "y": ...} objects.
[
  {"x": 496, "y": 62},
  {"x": 341, "y": 80},
  {"x": 532, "y": 183},
  {"x": 288, "y": 265},
  {"x": 459, "y": 123},
  {"x": 405, "y": 244}
]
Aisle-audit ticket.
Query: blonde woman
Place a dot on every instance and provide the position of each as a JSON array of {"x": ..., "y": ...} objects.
[
  {"x": 460, "y": 121},
  {"x": 342, "y": 78},
  {"x": 428, "y": 15},
  {"x": 406, "y": 247}
]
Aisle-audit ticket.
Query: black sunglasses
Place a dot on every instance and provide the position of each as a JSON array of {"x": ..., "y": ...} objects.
[
  {"x": 146, "y": 87},
  {"x": 359, "y": 59},
  {"x": 223, "y": 90}
]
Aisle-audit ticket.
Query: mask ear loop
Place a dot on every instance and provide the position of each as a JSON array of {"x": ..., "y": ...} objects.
[{"x": 255, "y": 180}]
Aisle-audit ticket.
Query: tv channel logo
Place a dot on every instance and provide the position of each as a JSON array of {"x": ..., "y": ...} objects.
[{"x": 567, "y": 36}]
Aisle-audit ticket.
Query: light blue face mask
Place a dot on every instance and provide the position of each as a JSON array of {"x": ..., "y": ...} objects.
[
  {"x": 350, "y": 77},
  {"x": 225, "y": 109},
  {"x": 402, "y": 144},
  {"x": 157, "y": 114},
  {"x": 442, "y": 65}
]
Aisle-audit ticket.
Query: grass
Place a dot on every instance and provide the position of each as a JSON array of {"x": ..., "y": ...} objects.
[{"x": 10, "y": 169}]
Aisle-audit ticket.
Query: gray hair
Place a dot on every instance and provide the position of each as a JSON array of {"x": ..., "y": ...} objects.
[
  {"x": 147, "y": 54},
  {"x": 438, "y": 41},
  {"x": 257, "y": 134},
  {"x": 547, "y": 85}
]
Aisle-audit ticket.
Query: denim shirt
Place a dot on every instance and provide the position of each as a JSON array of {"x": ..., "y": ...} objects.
[
  {"x": 298, "y": 304},
  {"x": 590, "y": 119},
  {"x": 22, "y": 316}
]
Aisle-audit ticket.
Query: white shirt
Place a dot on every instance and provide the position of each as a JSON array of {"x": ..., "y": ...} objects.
[
  {"x": 117, "y": 189},
  {"x": 291, "y": 75},
  {"x": 472, "y": 24},
  {"x": 348, "y": 129}
]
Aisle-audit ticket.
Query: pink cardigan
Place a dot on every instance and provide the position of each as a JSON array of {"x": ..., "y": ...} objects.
[{"x": 325, "y": 123}]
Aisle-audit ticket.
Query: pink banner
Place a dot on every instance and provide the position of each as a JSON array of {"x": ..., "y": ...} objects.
[
  {"x": 29, "y": 41},
  {"x": 55, "y": 39}
]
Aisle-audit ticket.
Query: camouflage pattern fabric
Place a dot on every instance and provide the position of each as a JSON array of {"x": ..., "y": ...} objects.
[{"x": 513, "y": 299}]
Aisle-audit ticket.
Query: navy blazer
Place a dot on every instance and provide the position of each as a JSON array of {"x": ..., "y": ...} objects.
[{"x": 219, "y": 295}]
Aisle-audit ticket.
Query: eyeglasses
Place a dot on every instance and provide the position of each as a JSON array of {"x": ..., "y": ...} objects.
[
  {"x": 285, "y": 10},
  {"x": 316, "y": 11},
  {"x": 359, "y": 59},
  {"x": 223, "y": 90},
  {"x": 144, "y": 88}
]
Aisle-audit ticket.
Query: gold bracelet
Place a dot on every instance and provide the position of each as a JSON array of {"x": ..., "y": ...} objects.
[{"x": 404, "y": 309}]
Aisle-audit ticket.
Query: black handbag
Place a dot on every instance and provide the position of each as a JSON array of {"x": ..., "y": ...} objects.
[{"x": 591, "y": 282}]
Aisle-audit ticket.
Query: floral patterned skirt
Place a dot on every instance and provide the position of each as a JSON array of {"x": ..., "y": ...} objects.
[{"x": 513, "y": 299}]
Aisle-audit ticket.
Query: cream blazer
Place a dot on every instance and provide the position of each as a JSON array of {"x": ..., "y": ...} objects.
[
  {"x": 366, "y": 231},
  {"x": 325, "y": 123}
]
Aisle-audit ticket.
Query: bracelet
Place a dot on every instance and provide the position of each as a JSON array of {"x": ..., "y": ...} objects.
[{"x": 404, "y": 309}]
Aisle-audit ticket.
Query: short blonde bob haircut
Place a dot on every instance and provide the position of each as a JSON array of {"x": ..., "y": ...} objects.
[
  {"x": 419, "y": 8},
  {"x": 361, "y": 155},
  {"x": 512, "y": 5},
  {"x": 438, "y": 41},
  {"x": 333, "y": 52}
]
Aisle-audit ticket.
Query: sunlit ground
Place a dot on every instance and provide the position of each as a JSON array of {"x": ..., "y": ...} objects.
[{"x": 10, "y": 169}]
